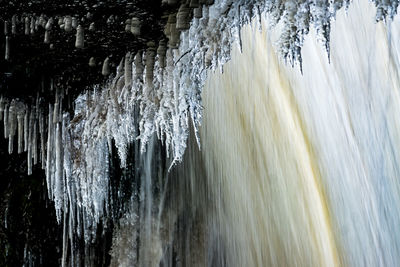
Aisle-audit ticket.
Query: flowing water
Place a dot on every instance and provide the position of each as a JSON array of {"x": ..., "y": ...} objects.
[
  {"x": 304, "y": 168},
  {"x": 295, "y": 169}
]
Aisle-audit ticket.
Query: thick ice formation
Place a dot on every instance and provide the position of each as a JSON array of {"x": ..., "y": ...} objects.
[{"x": 153, "y": 91}]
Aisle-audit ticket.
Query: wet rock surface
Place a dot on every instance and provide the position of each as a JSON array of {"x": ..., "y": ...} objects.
[{"x": 42, "y": 40}]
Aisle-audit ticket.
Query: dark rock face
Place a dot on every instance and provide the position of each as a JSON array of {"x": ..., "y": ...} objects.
[
  {"x": 29, "y": 232},
  {"x": 36, "y": 59},
  {"x": 28, "y": 229}
]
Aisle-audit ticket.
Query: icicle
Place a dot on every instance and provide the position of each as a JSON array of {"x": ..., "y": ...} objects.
[
  {"x": 6, "y": 121},
  {"x": 74, "y": 23},
  {"x": 92, "y": 27},
  {"x": 68, "y": 24},
  {"x": 92, "y": 62},
  {"x": 55, "y": 114},
  {"x": 34, "y": 143},
  {"x": 36, "y": 22},
  {"x": 172, "y": 32},
  {"x": 71, "y": 223},
  {"x": 161, "y": 52},
  {"x": 109, "y": 143},
  {"x": 14, "y": 24},
  {"x": 35, "y": 133},
  {"x": 150, "y": 54},
  {"x": 70, "y": 198},
  {"x": 5, "y": 28},
  {"x": 20, "y": 118},
  {"x": 60, "y": 21},
  {"x": 1, "y": 107},
  {"x": 50, "y": 128},
  {"x": 32, "y": 26},
  {"x": 42, "y": 22},
  {"x": 135, "y": 26},
  {"x": 79, "y": 43},
  {"x": 59, "y": 179},
  {"x": 128, "y": 69},
  {"x": 183, "y": 18},
  {"x": 139, "y": 65},
  {"x": 47, "y": 37},
  {"x": 106, "y": 67},
  {"x": 26, "y": 130},
  {"x": 42, "y": 140},
  {"x": 12, "y": 117},
  {"x": 48, "y": 27},
  {"x": 128, "y": 25},
  {"x": 65, "y": 239},
  {"x": 49, "y": 24},
  {"x": 27, "y": 26},
  {"x": 30, "y": 137},
  {"x": 7, "y": 52}
]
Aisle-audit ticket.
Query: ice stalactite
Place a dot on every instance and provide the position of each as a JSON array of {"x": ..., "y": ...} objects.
[
  {"x": 106, "y": 68},
  {"x": 47, "y": 37},
  {"x": 92, "y": 26},
  {"x": 7, "y": 49},
  {"x": 27, "y": 26},
  {"x": 74, "y": 23},
  {"x": 92, "y": 62},
  {"x": 49, "y": 152},
  {"x": 30, "y": 141},
  {"x": 67, "y": 24},
  {"x": 128, "y": 70},
  {"x": 80, "y": 38},
  {"x": 32, "y": 26},
  {"x": 26, "y": 130},
  {"x": 2, "y": 104},
  {"x": 135, "y": 26},
  {"x": 42, "y": 140},
  {"x": 59, "y": 172},
  {"x": 34, "y": 141},
  {"x": 12, "y": 125},
  {"x": 5, "y": 120},
  {"x": 20, "y": 121},
  {"x": 14, "y": 24},
  {"x": 5, "y": 29}
]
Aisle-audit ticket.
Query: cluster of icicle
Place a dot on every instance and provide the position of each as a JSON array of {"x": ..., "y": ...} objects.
[
  {"x": 154, "y": 91},
  {"x": 32, "y": 24},
  {"x": 28, "y": 125},
  {"x": 48, "y": 139}
]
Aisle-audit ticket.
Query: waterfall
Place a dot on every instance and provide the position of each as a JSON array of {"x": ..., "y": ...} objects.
[{"x": 295, "y": 169}]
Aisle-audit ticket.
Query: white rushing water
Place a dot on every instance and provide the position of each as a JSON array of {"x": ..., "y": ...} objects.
[
  {"x": 297, "y": 169},
  {"x": 303, "y": 168}
]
